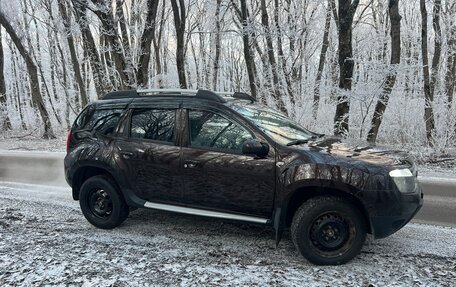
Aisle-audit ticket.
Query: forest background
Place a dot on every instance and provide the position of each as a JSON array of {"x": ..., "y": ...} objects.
[{"x": 376, "y": 70}]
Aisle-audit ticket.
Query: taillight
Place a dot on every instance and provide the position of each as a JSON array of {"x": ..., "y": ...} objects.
[{"x": 68, "y": 141}]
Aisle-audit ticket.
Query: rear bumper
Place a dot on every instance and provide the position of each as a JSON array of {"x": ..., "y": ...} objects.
[{"x": 383, "y": 226}]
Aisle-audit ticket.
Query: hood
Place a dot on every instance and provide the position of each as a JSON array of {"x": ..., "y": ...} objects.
[{"x": 360, "y": 151}]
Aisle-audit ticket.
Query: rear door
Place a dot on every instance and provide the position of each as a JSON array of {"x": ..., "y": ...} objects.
[
  {"x": 216, "y": 174},
  {"x": 150, "y": 152}
]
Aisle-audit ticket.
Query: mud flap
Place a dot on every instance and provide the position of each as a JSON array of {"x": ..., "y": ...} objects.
[{"x": 278, "y": 225}]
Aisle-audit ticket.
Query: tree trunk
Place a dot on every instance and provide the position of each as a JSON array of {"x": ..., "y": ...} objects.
[
  {"x": 346, "y": 13},
  {"x": 179, "y": 24},
  {"x": 121, "y": 19},
  {"x": 73, "y": 54},
  {"x": 281, "y": 54},
  {"x": 218, "y": 48},
  {"x": 16, "y": 89},
  {"x": 249, "y": 59},
  {"x": 272, "y": 61},
  {"x": 147, "y": 37},
  {"x": 3, "y": 108},
  {"x": 33, "y": 74},
  {"x": 390, "y": 80},
  {"x": 437, "y": 44},
  {"x": 450, "y": 76},
  {"x": 114, "y": 45},
  {"x": 428, "y": 96},
  {"x": 90, "y": 47},
  {"x": 321, "y": 63}
]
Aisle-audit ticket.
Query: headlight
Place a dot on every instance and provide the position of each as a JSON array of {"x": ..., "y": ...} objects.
[
  {"x": 400, "y": 173},
  {"x": 404, "y": 180}
]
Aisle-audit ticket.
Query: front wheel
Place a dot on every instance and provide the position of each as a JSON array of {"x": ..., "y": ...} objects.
[
  {"x": 102, "y": 203},
  {"x": 328, "y": 230}
]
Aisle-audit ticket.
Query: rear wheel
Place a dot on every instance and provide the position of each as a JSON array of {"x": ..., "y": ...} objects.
[
  {"x": 102, "y": 203},
  {"x": 328, "y": 230}
]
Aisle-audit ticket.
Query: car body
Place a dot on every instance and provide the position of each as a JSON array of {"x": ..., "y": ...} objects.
[{"x": 198, "y": 152}]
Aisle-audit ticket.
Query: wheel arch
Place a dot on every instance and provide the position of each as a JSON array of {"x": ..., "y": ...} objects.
[
  {"x": 85, "y": 172},
  {"x": 305, "y": 192}
]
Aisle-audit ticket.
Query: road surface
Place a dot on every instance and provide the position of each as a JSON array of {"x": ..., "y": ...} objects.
[{"x": 45, "y": 240}]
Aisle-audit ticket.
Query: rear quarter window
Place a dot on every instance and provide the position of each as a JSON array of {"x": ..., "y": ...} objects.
[
  {"x": 104, "y": 121},
  {"x": 83, "y": 117}
]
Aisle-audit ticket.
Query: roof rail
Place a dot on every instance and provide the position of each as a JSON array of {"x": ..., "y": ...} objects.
[
  {"x": 202, "y": 94},
  {"x": 209, "y": 95},
  {"x": 145, "y": 91},
  {"x": 243, "y": 96},
  {"x": 121, "y": 94}
]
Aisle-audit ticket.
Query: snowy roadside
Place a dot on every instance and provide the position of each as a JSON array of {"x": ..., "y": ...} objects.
[{"x": 44, "y": 240}]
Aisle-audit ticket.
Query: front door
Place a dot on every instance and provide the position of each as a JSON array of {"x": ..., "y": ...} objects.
[
  {"x": 217, "y": 175},
  {"x": 151, "y": 153}
]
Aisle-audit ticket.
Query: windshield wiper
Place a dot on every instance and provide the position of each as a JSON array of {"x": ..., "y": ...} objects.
[
  {"x": 296, "y": 142},
  {"x": 303, "y": 141}
]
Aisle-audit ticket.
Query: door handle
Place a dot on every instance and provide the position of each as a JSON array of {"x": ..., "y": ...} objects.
[
  {"x": 126, "y": 154},
  {"x": 191, "y": 163}
]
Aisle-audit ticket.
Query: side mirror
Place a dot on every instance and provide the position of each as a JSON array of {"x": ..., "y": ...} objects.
[{"x": 255, "y": 147}]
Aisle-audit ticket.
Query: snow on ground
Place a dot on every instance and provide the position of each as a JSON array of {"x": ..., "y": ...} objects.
[{"x": 45, "y": 240}]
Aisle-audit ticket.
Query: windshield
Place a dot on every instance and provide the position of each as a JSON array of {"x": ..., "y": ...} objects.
[{"x": 278, "y": 126}]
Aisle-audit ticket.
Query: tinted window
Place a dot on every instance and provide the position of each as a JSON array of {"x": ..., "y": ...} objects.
[
  {"x": 83, "y": 117},
  {"x": 214, "y": 131},
  {"x": 153, "y": 124},
  {"x": 276, "y": 125},
  {"x": 104, "y": 121}
]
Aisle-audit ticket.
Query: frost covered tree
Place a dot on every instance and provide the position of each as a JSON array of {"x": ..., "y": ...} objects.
[
  {"x": 31, "y": 69},
  {"x": 355, "y": 68},
  {"x": 347, "y": 10},
  {"x": 390, "y": 80}
]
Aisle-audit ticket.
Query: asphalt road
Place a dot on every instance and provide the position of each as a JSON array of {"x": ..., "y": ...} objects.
[
  {"x": 439, "y": 201},
  {"x": 46, "y": 168}
]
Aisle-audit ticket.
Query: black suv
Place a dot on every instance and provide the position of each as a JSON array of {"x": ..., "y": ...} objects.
[{"x": 223, "y": 155}]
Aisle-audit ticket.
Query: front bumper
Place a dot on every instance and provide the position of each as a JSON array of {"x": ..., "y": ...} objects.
[{"x": 385, "y": 225}]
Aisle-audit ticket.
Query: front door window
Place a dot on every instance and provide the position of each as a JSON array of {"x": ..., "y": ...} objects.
[{"x": 210, "y": 130}]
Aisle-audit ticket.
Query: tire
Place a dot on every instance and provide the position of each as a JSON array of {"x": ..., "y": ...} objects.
[
  {"x": 102, "y": 203},
  {"x": 328, "y": 230}
]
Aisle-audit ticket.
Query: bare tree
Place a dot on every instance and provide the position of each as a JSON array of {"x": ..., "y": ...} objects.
[
  {"x": 147, "y": 37},
  {"x": 346, "y": 12},
  {"x": 428, "y": 95},
  {"x": 321, "y": 63},
  {"x": 450, "y": 76},
  {"x": 382, "y": 102},
  {"x": 73, "y": 55},
  {"x": 33, "y": 75},
  {"x": 3, "y": 109},
  {"x": 248, "y": 56},
  {"x": 217, "y": 45},
  {"x": 179, "y": 24},
  {"x": 110, "y": 34},
  {"x": 278, "y": 95},
  {"x": 80, "y": 9}
]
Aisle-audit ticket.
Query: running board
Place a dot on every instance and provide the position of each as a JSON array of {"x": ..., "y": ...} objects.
[{"x": 202, "y": 212}]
